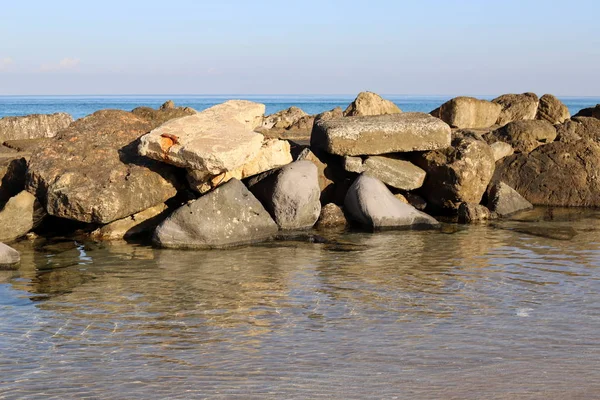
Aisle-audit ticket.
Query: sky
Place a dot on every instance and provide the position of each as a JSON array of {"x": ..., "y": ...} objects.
[{"x": 417, "y": 47}]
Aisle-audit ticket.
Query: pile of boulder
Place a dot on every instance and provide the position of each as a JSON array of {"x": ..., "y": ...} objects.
[{"x": 230, "y": 175}]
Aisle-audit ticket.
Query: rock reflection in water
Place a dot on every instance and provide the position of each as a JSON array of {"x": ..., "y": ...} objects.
[{"x": 480, "y": 313}]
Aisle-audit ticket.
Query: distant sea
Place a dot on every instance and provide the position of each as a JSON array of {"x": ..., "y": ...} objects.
[{"x": 80, "y": 106}]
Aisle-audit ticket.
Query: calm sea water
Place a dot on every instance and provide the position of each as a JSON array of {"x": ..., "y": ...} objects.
[
  {"x": 483, "y": 313},
  {"x": 80, "y": 106}
]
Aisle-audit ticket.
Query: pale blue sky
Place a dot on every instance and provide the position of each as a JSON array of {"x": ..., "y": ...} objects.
[{"x": 301, "y": 47}]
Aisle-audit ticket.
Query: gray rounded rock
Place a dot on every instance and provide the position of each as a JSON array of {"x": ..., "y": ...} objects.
[
  {"x": 228, "y": 216},
  {"x": 8, "y": 255},
  {"x": 370, "y": 203},
  {"x": 290, "y": 194}
]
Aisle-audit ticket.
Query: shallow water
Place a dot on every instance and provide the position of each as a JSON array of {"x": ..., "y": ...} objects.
[{"x": 485, "y": 312}]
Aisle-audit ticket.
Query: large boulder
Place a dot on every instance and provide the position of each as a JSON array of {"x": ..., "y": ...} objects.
[
  {"x": 579, "y": 128},
  {"x": 557, "y": 174},
  {"x": 468, "y": 112},
  {"x": 391, "y": 170},
  {"x": 524, "y": 136},
  {"x": 20, "y": 215},
  {"x": 368, "y": 103},
  {"x": 273, "y": 154},
  {"x": 228, "y": 216},
  {"x": 593, "y": 112},
  {"x": 516, "y": 107},
  {"x": 458, "y": 174},
  {"x": 8, "y": 256},
  {"x": 92, "y": 173},
  {"x": 552, "y": 110},
  {"x": 216, "y": 140},
  {"x": 505, "y": 201},
  {"x": 351, "y": 136},
  {"x": 166, "y": 112},
  {"x": 370, "y": 204},
  {"x": 33, "y": 126},
  {"x": 290, "y": 194}
]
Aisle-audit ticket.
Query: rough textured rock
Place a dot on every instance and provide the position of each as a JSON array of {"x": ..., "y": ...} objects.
[
  {"x": 468, "y": 112},
  {"x": 524, "y": 136},
  {"x": 557, "y": 174},
  {"x": 92, "y": 173},
  {"x": 351, "y": 136},
  {"x": 331, "y": 114},
  {"x": 165, "y": 113},
  {"x": 370, "y": 204},
  {"x": 228, "y": 216},
  {"x": 368, "y": 103},
  {"x": 578, "y": 128},
  {"x": 332, "y": 216},
  {"x": 501, "y": 150},
  {"x": 290, "y": 194},
  {"x": 593, "y": 112},
  {"x": 13, "y": 168},
  {"x": 469, "y": 213},
  {"x": 333, "y": 180},
  {"x": 516, "y": 107},
  {"x": 137, "y": 224},
  {"x": 354, "y": 164},
  {"x": 391, "y": 170},
  {"x": 458, "y": 174},
  {"x": 283, "y": 119},
  {"x": 416, "y": 201},
  {"x": 273, "y": 154},
  {"x": 20, "y": 214},
  {"x": 8, "y": 256},
  {"x": 33, "y": 126},
  {"x": 505, "y": 201},
  {"x": 216, "y": 140},
  {"x": 552, "y": 110}
]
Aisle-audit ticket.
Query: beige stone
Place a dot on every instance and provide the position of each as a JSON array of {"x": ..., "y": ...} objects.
[
  {"x": 141, "y": 222},
  {"x": 21, "y": 214},
  {"x": 516, "y": 107},
  {"x": 369, "y": 103},
  {"x": 33, "y": 126},
  {"x": 373, "y": 135},
  {"x": 216, "y": 140},
  {"x": 468, "y": 112},
  {"x": 552, "y": 110}
]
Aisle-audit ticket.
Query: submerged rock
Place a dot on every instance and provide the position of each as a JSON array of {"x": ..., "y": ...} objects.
[
  {"x": 516, "y": 107},
  {"x": 33, "y": 126},
  {"x": 458, "y": 174},
  {"x": 216, "y": 140},
  {"x": 332, "y": 216},
  {"x": 552, "y": 110},
  {"x": 468, "y": 112},
  {"x": 20, "y": 215},
  {"x": 8, "y": 256},
  {"x": 368, "y": 103},
  {"x": 290, "y": 194},
  {"x": 92, "y": 173},
  {"x": 557, "y": 174},
  {"x": 228, "y": 216},
  {"x": 525, "y": 136},
  {"x": 469, "y": 213},
  {"x": 134, "y": 225},
  {"x": 373, "y": 135},
  {"x": 505, "y": 201},
  {"x": 370, "y": 203}
]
